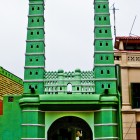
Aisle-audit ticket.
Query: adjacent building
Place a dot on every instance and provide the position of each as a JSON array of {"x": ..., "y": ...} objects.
[
  {"x": 127, "y": 55},
  {"x": 10, "y": 84}
]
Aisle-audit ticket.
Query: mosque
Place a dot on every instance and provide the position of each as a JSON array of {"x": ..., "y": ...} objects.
[{"x": 61, "y": 105}]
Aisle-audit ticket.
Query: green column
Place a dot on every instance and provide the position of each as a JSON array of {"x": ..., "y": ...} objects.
[
  {"x": 77, "y": 82},
  {"x": 35, "y": 49},
  {"x": 106, "y": 126},
  {"x": 103, "y": 50},
  {"x": 61, "y": 86},
  {"x": 33, "y": 123}
]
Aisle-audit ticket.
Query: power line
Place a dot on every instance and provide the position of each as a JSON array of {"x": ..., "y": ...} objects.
[{"x": 132, "y": 25}]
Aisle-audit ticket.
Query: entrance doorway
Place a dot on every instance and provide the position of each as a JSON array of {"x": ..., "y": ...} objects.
[{"x": 69, "y": 128}]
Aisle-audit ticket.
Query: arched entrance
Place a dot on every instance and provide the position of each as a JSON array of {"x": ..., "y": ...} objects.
[{"x": 69, "y": 128}]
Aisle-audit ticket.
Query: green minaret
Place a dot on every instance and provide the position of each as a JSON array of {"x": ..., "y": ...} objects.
[
  {"x": 33, "y": 120},
  {"x": 103, "y": 51},
  {"x": 35, "y": 49}
]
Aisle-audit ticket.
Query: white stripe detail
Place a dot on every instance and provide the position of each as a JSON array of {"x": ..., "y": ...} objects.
[
  {"x": 36, "y": 40},
  {"x": 105, "y": 138},
  {"x": 32, "y": 138},
  {"x": 32, "y": 111},
  {"x": 36, "y": 15},
  {"x": 34, "y": 67},
  {"x": 103, "y": 51},
  {"x": 106, "y": 124},
  {"x": 36, "y": 3},
  {"x": 105, "y": 79},
  {"x": 104, "y": 65},
  {"x": 66, "y": 80},
  {"x": 42, "y": 125},
  {"x": 102, "y": 13},
  {"x": 105, "y": 110},
  {"x": 34, "y": 53},
  {"x": 37, "y": 80},
  {"x": 101, "y": 2},
  {"x": 39, "y": 27}
]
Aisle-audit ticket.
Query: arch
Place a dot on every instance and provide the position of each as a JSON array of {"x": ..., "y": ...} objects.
[{"x": 68, "y": 128}]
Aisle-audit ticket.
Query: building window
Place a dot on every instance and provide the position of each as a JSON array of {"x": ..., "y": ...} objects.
[
  {"x": 102, "y": 85},
  {"x": 101, "y": 58},
  {"x": 104, "y": 6},
  {"x": 101, "y": 71},
  {"x": 100, "y": 44},
  {"x": 10, "y": 99},
  {"x": 69, "y": 88},
  {"x": 135, "y": 94},
  {"x": 78, "y": 88},
  {"x": 106, "y": 44}
]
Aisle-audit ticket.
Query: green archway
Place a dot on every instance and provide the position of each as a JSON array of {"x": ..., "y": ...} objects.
[{"x": 66, "y": 128}]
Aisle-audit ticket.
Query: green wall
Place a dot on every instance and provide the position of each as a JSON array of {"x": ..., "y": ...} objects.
[{"x": 10, "y": 121}]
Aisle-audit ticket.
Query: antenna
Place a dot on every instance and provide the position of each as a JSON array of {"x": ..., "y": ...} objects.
[
  {"x": 132, "y": 26},
  {"x": 114, "y": 13},
  {"x": 131, "y": 29}
]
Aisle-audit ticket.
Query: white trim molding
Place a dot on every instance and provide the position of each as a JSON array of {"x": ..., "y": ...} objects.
[
  {"x": 32, "y": 138},
  {"x": 28, "y": 124},
  {"x": 105, "y": 138},
  {"x": 106, "y": 124}
]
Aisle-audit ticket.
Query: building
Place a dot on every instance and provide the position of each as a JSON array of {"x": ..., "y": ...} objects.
[
  {"x": 127, "y": 55},
  {"x": 66, "y": 105},
  {"x": 9, "y": 84}
]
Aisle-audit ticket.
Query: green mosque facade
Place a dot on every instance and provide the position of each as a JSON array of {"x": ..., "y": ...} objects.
[{"x": 55, "y": 104}]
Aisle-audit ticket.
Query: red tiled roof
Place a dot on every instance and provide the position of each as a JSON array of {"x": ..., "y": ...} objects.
[
  {"x": 127, "y": 37},
  {"x": 126, "y": 40}
]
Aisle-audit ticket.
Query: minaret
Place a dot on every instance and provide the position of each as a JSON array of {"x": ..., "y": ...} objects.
[
  {"x": 33, "y": 120},
  {"x": 35, "y": 49},
  {"x": 105, "y": 81}
]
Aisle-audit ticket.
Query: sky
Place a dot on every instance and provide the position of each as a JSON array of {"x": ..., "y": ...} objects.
[{"x": 69, "y": 33}]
